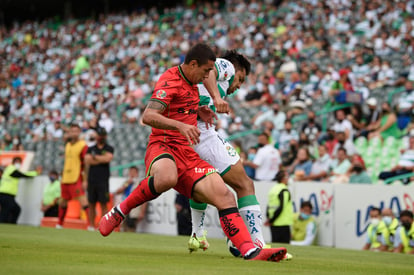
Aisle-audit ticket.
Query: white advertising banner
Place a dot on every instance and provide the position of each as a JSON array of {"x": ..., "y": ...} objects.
[
  {"x": 352, "y": 204},
  {"x": 321, "y": 195}
]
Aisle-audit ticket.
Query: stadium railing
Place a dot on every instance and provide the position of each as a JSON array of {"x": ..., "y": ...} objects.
[{"x": 400, "y": 177}]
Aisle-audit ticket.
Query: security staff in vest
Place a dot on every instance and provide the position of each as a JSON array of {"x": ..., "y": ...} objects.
[
  {"x": 97, "y": 161},
  {"x": 304, "y": 226},
  {"x": 280, "y": 209},
  {"x": 404, "y": 237},
  {"x": 9, "y": 185},
  {"x": 377, "y": 232},
  {"x": 392, "y": 224}
]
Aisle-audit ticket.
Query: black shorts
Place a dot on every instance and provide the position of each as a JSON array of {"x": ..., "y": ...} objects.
[{"x": 98, "y": 192}]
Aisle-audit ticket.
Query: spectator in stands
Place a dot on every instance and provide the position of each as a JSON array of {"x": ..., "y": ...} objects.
[
  {"x": 377, "y": 232},
  {"x": 279, "y": 210},
  {"x": 267, "y": 160},
  {"x": 358, "y": 121},
  {"x": 106, "y": 122},
  {"x": 343, "y": 125},
  {"x": 321, "y": 166},
  {"x": 274, "y": 115},
  {"x": 341, "y": 87},
  {"x": 137, "y": 214},
  {"x": 405, "y": 233},
  {"x": 132, "y": 114},
  {"x": 9, "y": 185},
  {"x": 405, "y": 164},
  {"x": 344, "y": 143},
  {"x": 340, "y": 167},
  {"x": 51, "y": 195},
  {"x": 236, "y": 126},
  {"x": 386, "y": 126},
  {"x": 358, "y": 171},
  {"x": 304, "y": 226},
  {"x": 392, "y": 224},
  {"x": 302, "y": 165},
  {"x": 311, "y": 128},
  {"x": 286, "y": 137}
]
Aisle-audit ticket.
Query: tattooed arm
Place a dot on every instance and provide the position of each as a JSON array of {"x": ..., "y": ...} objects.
[{"x": 153, "y": 117}]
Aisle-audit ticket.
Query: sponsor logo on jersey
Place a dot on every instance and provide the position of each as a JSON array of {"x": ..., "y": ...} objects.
[
  {"x": 188, "y": 112},
  {"x": 161, "y": 94}
]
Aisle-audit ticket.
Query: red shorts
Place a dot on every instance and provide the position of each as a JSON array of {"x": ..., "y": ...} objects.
[
  {"x": 190, "y": 167},
  {"x": 70, "y": 191}
]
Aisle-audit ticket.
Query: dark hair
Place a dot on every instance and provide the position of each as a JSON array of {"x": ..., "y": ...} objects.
[
  {"x": 264, "y": 134},
  {"x": 342, "y": 149},
  {"x": 376, "y": 209},
  {"x": 201, "y": 53},
  {"x": 238, "y": 60},
  {"x": 17, "y": 159},
  {"x": 306, "y": 204},
  {"x": 134, "y": 167},
  {"x": 53, "y": 172},
  {"x": 406, "y": 213},
  {"x": 280, "y": 175},
  {"x": 74, "y": 125}
]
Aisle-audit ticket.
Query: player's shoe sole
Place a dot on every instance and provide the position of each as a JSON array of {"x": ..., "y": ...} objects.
[
  {"x": 110, "y": 221},
  {"x": 268, "y": 254}
]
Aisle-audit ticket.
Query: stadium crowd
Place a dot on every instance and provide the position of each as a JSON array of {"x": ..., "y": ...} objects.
[{"x": 100, "y": 72}]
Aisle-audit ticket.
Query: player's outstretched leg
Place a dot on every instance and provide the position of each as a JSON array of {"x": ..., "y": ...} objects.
[
  {"x": 145, "y": 191},
  {"x": 198, "y": 239}
]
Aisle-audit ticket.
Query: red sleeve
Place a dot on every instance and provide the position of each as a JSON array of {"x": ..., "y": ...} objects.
[
  {"x": 83, "y": 153},
  {"x": 166, "y": 88}
]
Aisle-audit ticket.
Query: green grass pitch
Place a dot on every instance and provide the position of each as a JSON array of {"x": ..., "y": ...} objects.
[{"x": 35, "y": 250}]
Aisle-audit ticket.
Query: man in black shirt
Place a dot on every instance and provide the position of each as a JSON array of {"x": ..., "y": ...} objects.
[{"x": 97, "y": 161}]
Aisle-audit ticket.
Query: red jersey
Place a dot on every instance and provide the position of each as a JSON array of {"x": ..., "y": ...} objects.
[{"x": 181, "y": 98}]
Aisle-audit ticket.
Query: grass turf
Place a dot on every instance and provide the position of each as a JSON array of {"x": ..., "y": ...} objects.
[{"x": 33, "y": 250}]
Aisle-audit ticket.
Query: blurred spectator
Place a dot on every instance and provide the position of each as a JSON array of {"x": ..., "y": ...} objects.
[
  {"x": 236, "y": 126},
  {"x": 279, "y": 210},
  {"x": 250, "y": 171},
  {"x": 405, "y": 233},
  {"x": 106, "y": 122},
  {"x": 51, "y": 195},
  {"x": 266, "y": 161},
  {"x": 377, "y": 232},
  {"x": 302, "y": 165},
  {"x": 340, "y": 166},
  {"x": 304, "y": 226},
  {"x": 373, "y": 113},
  {"x": 386, "y": 126},
  {"x": 286, "y": 136},
  {"x": 343, "y": 125},
  {"x": 311, "y": 128},
  {"x": 358, "y": 121},
  {"x": 344, "y": 143},
  {"x": 405, "y": 164},
  {"x": 358, "y": 171},
  {"x": 132, "y": 113},
  {"x": 321, "y": 166},
  {"x": 274, "y": 115}
]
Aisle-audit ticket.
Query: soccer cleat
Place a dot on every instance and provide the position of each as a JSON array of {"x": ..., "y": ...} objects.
[
  {"x": 58, "y": 226},
  {"x": 195, "y": 243},
  {"x": 110, "y": 221},
  {"x": 287, "y": 257},
  {"x": 268, "y": 254},
  {"x": 91, "y": 228}
]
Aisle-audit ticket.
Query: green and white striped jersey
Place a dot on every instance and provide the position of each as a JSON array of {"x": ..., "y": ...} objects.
[{"x": 225, "y": 77}]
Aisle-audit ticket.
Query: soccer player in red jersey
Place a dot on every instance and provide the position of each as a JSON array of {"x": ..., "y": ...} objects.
[{"x": 171, "y": 162}]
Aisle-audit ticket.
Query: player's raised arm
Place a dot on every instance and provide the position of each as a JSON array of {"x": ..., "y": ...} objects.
[
  {"x": 211, "y": 85},
  {"x": 153, "y": 117}
]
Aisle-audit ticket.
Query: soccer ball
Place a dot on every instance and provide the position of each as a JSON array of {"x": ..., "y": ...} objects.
[{"x": 233, "y": 250}]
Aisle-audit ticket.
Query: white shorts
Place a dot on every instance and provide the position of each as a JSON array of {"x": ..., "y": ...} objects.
[{"x": 217, "y": 152}]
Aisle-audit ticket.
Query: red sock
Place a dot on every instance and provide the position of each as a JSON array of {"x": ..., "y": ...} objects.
[
  {"x": 61, "y": 214},
  {"x": 144, "y": 192},
  {"x": 235, "y": 229}
]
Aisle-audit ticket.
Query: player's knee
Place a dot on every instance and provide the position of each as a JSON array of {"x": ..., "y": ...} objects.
[{"x": 165, "y": 181}]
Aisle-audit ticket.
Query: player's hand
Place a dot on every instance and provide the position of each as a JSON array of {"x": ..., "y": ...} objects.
[
  {"x": 207, "y": 115},
  {"x": 191, "y": 133},
  {"x": 221, "y": 105}
]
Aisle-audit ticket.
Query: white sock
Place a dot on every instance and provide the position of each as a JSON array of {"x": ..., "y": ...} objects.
[
  {"x": 197, "y": 219},
  {"x": 252, "y": 217}
]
